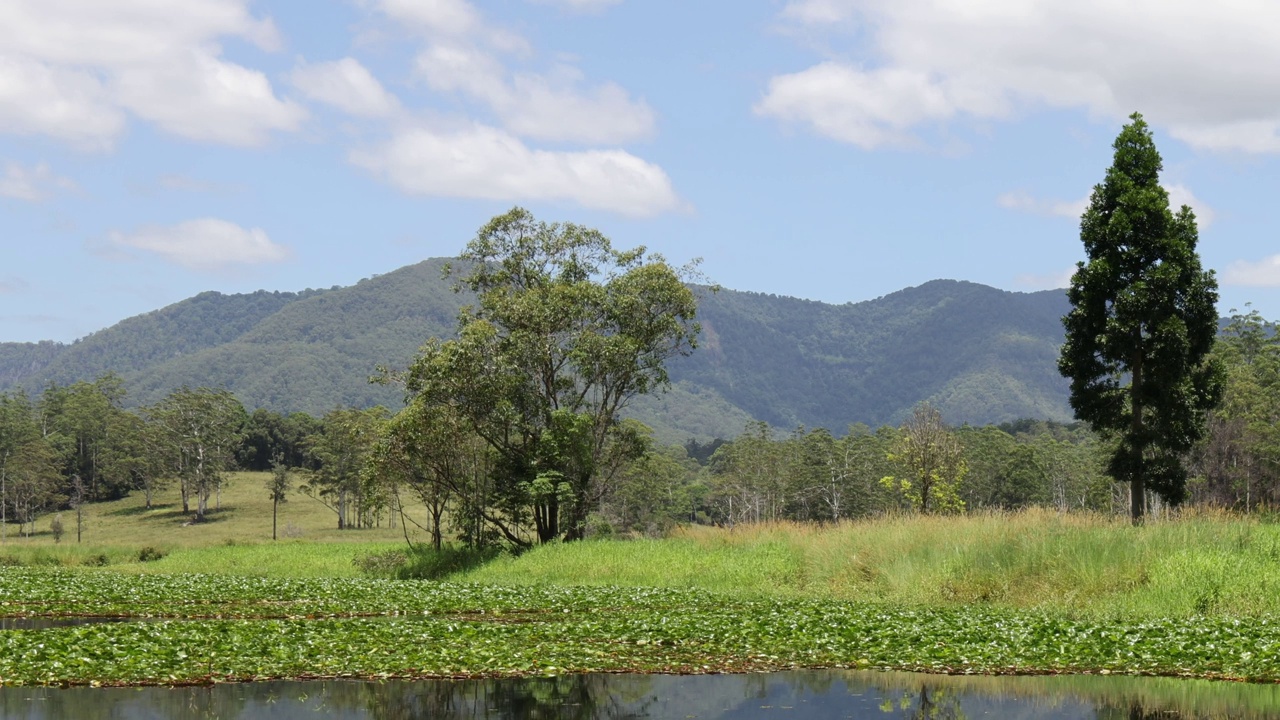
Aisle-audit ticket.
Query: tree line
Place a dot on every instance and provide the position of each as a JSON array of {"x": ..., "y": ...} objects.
[{"x": 514, "y": 430}]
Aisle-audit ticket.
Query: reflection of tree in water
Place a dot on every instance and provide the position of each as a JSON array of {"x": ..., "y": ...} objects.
[
  {"x": 1135, "y": 711},
  {"x": 571, "y": 697},
  {"x": 931, "y": 703},
  {"x": 197, "y": 703}
]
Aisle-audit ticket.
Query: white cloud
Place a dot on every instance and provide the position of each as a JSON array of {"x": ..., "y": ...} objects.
[
  {"x": 72, "y": 105},
  {"x": 203, "y": 98},
  {"x": 204, "y": 244},
  {"x": 1021, "y": 201},
  {"x": 549, "y": 106},
  {"x": 819, "y": 11},
  {"x": 483, "y": 152},
  {"x": 1179, "y": 195},
  {"x": 438, "y": 17},
  {"x": 71, "y": 70},
  {"x": 1262, "y": 273},
  {"x": 867, "y": 109},
  {"x": 346, "y": 85},
  {"x": 1049, "y": 281},
  {"x": 31, "y": 184},
  {"x": 1201, "y": 70},
  {"x": 485, "y": 162}
]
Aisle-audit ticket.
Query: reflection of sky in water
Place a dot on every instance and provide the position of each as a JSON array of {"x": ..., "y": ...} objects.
[{"x": 802, "y": 694}]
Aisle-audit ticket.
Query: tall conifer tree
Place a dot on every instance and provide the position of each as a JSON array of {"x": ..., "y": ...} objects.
[{"x": 1142, "y": 323}]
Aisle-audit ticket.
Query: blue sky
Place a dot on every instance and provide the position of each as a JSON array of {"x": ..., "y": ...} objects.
[{"x": 836, "y": 150}]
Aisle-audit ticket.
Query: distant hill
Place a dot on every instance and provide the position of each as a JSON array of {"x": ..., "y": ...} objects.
[{"x": 982, "y": 355}]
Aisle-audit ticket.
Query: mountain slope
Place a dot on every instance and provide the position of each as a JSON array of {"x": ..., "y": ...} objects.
[{"x": 981, "y": 354}]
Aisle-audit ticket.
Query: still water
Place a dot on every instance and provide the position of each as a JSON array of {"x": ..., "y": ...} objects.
[{"x": 801, "y": 694}]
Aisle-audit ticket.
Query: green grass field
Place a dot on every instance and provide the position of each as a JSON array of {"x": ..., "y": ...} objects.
[
  {"x": 1199, "y": 564},
  {"x": 236, "y": 538},
  {"x": 1076, "y": 564}
]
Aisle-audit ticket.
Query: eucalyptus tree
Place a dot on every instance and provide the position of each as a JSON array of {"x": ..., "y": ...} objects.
[
  {"x": 85, "y": 420},
  {"x": 340, "y": 450},
  {"x": 29, "y": 464},
  {"x": 199, "y": 430},
  {"x": 566, "y": 330},
  {"x": 1142, "y": 324}
]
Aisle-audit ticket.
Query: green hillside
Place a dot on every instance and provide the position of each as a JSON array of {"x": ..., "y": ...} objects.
[{"x": 982, "y": 355}]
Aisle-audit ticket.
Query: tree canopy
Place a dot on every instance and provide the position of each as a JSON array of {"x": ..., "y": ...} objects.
[
  {"x": 1142, "y": 324},
  {"x": 565, "y": 332}
]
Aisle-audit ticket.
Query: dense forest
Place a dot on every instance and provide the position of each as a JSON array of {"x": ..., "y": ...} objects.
[{"x": 979, "y": 354}]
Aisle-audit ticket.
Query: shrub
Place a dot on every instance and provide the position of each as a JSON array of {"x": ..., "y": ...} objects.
[
  {"x": 380, "y": 564},
  {"x": 148, "y": 553},
  {"x": 427, "y": 563},
  {"x": 99, "y": 560}
]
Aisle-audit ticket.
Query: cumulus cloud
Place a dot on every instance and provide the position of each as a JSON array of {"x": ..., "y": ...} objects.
[
  {"x": 486, "y": 162},
  {"x": 204, "y": 244},
  {"x": 551, "y": 106},
  {"x": 1260, "y": 273},
  {"x": 31, "y": 183},
  {"x": 504, "y": 105},
  {"x": 346, "y": 85},
  {"x": 1179, "y": 195},
  {"x": 75, "y": 71},
  {"x": 1203, "y": 71}
]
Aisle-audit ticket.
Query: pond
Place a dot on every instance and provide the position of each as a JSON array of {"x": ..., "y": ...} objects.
[{"x": 800, "y": 694}]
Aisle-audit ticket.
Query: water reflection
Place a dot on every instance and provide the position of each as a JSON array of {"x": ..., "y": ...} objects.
[
  {"x": 46, "y": 623},
  {"x": 806, "y": 694}
]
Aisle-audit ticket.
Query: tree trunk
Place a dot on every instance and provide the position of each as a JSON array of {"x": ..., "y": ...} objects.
[
  {"x": 1137, "y": 482},
  {"x": 275, "y": 503}
]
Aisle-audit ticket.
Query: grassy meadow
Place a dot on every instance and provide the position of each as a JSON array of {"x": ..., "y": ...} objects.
[
  {"x": 235, "y": 538},
  {"x": 1029, "y": 592},
  {"x": 1199, "y": 564}
]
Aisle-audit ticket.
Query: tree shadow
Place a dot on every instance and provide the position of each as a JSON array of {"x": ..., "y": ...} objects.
[{"x": 141, "y": 510}]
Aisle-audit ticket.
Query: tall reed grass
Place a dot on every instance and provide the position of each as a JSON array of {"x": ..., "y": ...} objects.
[{"x": 1198, "y": 563}]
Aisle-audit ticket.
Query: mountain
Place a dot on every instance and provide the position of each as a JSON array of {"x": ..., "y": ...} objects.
[{"x": 980, "y": 354}]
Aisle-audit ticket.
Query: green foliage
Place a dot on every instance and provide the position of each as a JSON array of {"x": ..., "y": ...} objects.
[
  {"x": 469, "y": 630},
  {"x": 428, "y": 563},
  {"x": 979, "y": 354},
  {"x": 1142, "y": 324},
  {"x": 341, "y": 451},
  {"x": 199, "y": 431},
  {"x": 933, "y": 462},
  {"x": 149, "y": 554},
  {"x": 565, "y": 332},
  {"x": 1238, "y": 462}
]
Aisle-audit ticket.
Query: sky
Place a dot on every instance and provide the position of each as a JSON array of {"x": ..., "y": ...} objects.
[{"x": 836, "y": 150}]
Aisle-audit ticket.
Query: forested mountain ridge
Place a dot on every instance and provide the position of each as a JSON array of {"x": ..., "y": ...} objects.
[{"x": 980, "y": 354}]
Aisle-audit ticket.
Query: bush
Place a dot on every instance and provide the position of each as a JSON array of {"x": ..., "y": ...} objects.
[
  {"x": 99, "y": 560},
  {"x": 148, "y": 553},
  {"x": 380, "y": 564},
  {"x": 427, "y": 563}
]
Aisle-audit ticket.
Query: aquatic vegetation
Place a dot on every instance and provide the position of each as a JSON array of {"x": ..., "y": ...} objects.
[{"x": 230, "y": 628}]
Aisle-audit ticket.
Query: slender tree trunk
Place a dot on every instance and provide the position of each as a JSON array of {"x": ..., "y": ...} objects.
[
  {"x": 274, "y": 504},
  {"x": 1137, "y": 483}
]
